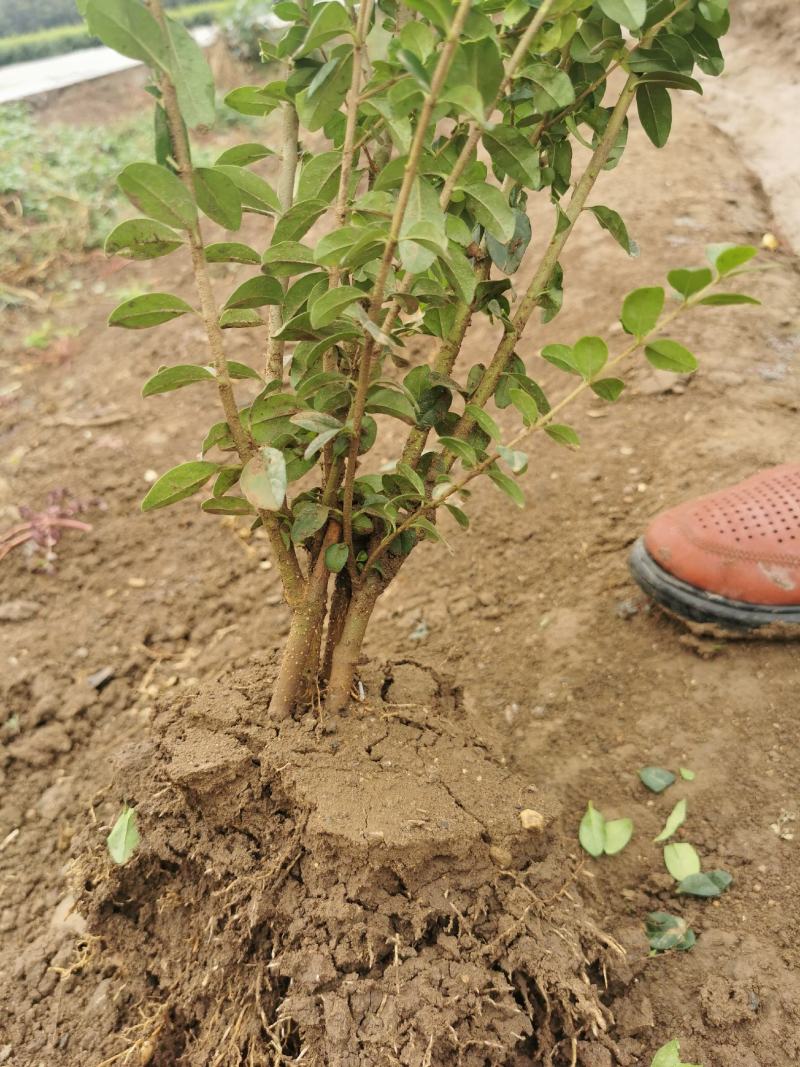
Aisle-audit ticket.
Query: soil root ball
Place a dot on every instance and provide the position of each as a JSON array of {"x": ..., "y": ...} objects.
[{"x": 362, "y": 891}]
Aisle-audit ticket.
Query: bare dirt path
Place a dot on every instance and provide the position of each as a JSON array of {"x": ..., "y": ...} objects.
[{"x": 545, "y": 631}]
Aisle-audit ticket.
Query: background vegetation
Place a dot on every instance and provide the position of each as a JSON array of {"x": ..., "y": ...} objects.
[{"x": 40, "y": 28}]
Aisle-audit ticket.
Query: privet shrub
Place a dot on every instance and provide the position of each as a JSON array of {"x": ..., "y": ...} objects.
[{"x": 418, "y": 131}]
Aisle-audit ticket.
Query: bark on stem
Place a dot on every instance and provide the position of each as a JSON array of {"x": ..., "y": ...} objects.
[
  {"x": 300, "y": 660},
  {"x": 285, "y": 190},
  {"x": 348, "y": 650}
]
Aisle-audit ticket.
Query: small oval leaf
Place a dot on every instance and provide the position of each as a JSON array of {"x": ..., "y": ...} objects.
[{"x": 263, "y": 479}]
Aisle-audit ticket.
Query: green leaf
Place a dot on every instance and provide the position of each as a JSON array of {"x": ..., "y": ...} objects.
[
  {"x": 590, "y": 355},
  {"x": 428, "y": 529},
  {"x": 256, "y": 292},
  {"x": 327, "y": 307},
  {"x": 308, "y": 521},
  {"x": 316, "y": 422},
  {"x": 159, "y": 194},
  {"x": 656, "y": 778},
  {"x": 671, "y": 356},
  {"x": 613, "y": 222},
  {"x": 124, "y": 838},
  {"x": 390, "y": 402},
  {"x": 666, "y": 932},
  {"x": 681, "y": 860},
  {"x": 263, "y": 479},
  {"x": 671, "y": 80},
  {"x": 171, "y": 378},
  {"x": 215, "y": 436},
  {"x": 319, "y": 176},
  {"x": 336, "y": 557},
  {"x": 508, "y": 486},
  {"x": 228, "y": 505},
  {"x": 319, "y": 442},
  {"x": 669, "y": 1055},
  {"x": 512, "y": 153},
  {"x": 298, "y": 220},
  {"x": 676, "y": 819},
  {"x": 326, "y": 93},
  {"x": 257, "y": 195},
  {"x": 460, "y": 516},
  {"x": 709, "y": 884},
  {"x": 142, "y": 239},
  {"x": 608, "y": 388},
  {"x": 628, "y": 13},
  {"x": 641, "y": 310},
  {"x": 129, "y": 29},
  {"x": 525, "y": 405},
  {"x": 459, "y": 448},
  {"x": 231, "y": 252},
  {"x": 686, "y": 774},
  {"x": 724, "y": 299},
  {"x": 217, "y": 197},
  {"x": 178, "y": 484},
  {"x": 655, "y": 112},
  {"x": 412, "y": 64},
  {"x": 191, "y": 76},
  {"x": 330, "y": 20},
  {"x": 225, "y": 480},
  {"x": 484, "y": 420},
  {"x": 517, "y": 461},
  {"x": 242, "y": 155},
  {"x": 490, "y": 208},
  {"x": 249, "y": 100},
  {"x": 563, "y": 435},
  {"x": 239, "y": 371},
  {"x": 240, "y": 319},
  {"x": 591, "y": 832},
  {"x": 287, "y": 258},
  {"x": 150, "y": 310},
  {"x": 560, "y": 356},
  {"x": 552, "y": 88},
  {"x": 458, "y": 271},
  {"x": 689, "y": 282},
  {"x": 616, "y": 834},
  {"x": 411, "y": 476},
  {"x": 507, "y": 257},
  {"x": 439, "y": 12},
  {"x": 727, "y": 257}
]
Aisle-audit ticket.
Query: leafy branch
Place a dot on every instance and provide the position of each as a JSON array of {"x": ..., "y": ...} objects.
[{"x": 678, "y": 359}]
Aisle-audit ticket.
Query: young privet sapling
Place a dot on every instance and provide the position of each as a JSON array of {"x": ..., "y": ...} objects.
[{"x": 415, "y": 134}]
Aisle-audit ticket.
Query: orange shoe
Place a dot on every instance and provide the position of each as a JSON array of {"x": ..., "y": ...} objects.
[{"x": 732, "y": 557}]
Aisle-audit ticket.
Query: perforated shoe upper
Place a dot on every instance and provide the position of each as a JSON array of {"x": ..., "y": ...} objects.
[{"x": 741, "y": 543}]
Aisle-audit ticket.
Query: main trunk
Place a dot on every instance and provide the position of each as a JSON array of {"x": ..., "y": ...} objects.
[
  {"x": 348, "y": 649},
  {"x": 301, "y": 672}
]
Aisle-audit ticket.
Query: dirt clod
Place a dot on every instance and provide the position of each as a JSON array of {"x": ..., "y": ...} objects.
[{"x": 350, "y": 905}]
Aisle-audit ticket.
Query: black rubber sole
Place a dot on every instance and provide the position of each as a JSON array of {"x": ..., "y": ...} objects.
[{"x": 698, "y": 606}]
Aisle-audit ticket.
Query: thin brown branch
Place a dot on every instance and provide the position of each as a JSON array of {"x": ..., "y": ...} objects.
[
  {"x": 290, "y": 127},
  {"x": 412, "y": 166},
  {"x": 291, "y": 575},
  {"x": 474, "y": 132}
]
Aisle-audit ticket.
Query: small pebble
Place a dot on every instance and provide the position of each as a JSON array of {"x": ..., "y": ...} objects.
[{"x": 531, "y": 820}]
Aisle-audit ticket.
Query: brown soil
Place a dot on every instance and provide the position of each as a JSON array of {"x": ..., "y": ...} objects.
[
  {"x": 536, "y": 617},
  {"x": 363, "y": 889}
]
